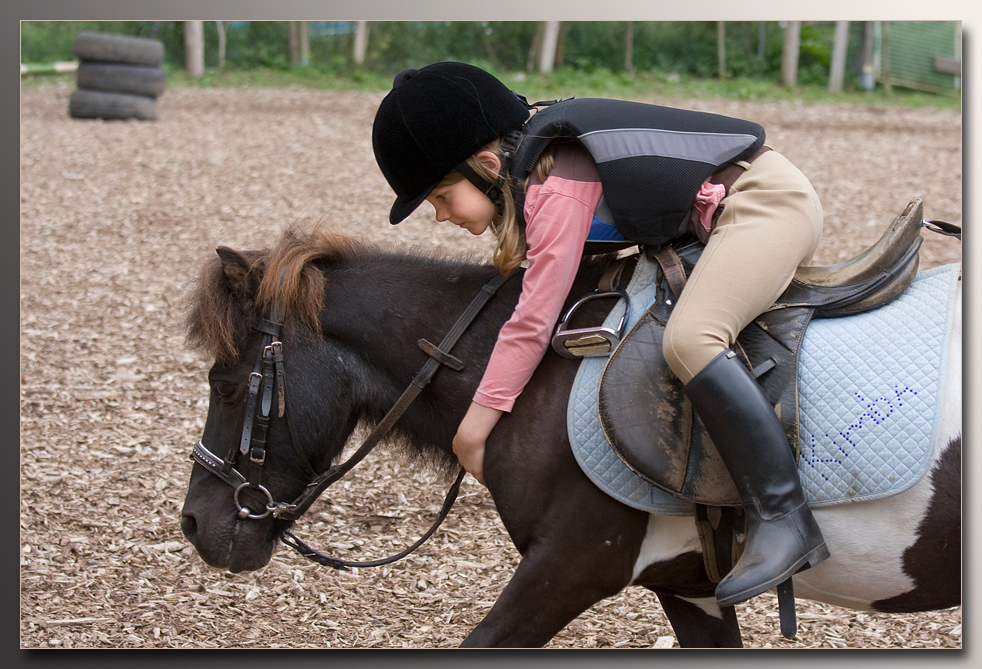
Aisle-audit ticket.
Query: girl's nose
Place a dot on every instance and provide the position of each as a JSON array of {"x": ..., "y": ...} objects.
[{"x": 441, "y": 214}]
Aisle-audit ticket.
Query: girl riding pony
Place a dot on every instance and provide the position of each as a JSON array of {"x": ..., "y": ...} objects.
[{"x": 455, "y": 136}]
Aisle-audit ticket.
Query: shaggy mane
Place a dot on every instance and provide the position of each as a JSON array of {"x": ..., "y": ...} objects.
[{"x": 220, "y": 317}]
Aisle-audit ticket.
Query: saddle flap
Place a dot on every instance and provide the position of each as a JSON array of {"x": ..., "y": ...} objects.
[
  {"x": 630, "y": 404},
  {"x": 652, "y": 427}
]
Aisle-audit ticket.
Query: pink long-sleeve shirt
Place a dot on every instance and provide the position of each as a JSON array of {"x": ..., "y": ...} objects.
[{"x": 558, "y": 213}]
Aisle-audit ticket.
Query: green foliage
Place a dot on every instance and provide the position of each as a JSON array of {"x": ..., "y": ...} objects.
[
  {"x": 815, "y": 55},
  {"x": 679, "y": 57},
  {"x": 394, "y": 45},
  {"x": 52, "y": 41}
]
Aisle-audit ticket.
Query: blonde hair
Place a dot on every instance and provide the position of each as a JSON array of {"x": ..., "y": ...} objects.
[{"x": 511, "y": 247}]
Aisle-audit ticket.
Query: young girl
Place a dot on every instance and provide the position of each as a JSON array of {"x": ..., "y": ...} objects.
[{"x": 446, "y": 134}]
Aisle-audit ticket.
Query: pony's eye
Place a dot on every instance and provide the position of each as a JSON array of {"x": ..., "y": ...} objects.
[{"x": 223, "y": 388}]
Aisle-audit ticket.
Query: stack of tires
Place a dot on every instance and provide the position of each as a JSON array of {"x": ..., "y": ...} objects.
[{"x": 119, "y": 77}]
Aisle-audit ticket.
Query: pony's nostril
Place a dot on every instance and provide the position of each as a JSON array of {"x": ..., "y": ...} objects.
[{"x": 189, "y": 526}]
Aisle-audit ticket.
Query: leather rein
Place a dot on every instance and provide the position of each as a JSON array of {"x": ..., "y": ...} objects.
[{"x": 269, "y": 373}]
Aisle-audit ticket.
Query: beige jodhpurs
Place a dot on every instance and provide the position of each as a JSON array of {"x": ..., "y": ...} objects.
[{"x": 770, "y": 225}]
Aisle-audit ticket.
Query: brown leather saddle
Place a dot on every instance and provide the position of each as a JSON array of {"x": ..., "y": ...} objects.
[{"x": 644, "y": 414}]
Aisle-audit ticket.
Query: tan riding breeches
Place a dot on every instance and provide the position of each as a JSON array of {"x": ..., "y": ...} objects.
[{"x": 770, "y": 225}]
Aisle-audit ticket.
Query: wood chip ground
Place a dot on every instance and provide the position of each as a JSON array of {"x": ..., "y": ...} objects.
[{"x": 116, "y": 217}]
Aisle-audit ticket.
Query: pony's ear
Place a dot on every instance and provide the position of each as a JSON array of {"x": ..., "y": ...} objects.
[{"x": 235, "y": 266}]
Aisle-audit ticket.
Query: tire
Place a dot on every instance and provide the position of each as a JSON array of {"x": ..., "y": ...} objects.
[
  {"x": 113, "y": 106},
  {"x": 107, "y": 48},
  {"x": 113, "y": 78}
]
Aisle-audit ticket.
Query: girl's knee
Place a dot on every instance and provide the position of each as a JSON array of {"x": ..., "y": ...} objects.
[
  {"x": 686, "y": 352},
  {"x": 676, "y": 356}
]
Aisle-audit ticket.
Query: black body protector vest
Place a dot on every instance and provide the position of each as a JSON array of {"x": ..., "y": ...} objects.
[{"x": 652, "y": 160}]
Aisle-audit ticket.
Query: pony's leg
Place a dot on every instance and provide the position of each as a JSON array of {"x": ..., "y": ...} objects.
[
  {"x": 698, "y": 627},
  {"x": 543, "y": 596}
]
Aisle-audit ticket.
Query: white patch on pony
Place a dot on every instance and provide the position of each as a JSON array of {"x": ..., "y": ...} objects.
[
  {"x": 708, "y": 604},
  {"x": 867, "y": 540},
  {"x": 666, "y": 538}
]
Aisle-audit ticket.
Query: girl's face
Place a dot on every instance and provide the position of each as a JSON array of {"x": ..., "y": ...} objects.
[{"x": 463, "y": 205}]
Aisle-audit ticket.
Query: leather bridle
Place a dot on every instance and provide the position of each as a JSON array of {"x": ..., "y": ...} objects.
[
  {"x": 269, "y": 373},
  {"x": 267, "y": 379}
]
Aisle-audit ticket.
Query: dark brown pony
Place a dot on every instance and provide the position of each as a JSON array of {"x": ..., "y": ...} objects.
[{"x": 352, "y": 316}]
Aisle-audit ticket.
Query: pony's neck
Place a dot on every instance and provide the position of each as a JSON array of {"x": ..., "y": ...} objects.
[{"x": 380, "y": 308}]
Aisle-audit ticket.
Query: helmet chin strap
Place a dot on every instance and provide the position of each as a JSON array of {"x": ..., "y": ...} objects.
[{"x": 492, "y": 189}]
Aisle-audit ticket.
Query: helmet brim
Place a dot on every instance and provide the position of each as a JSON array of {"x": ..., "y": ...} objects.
[{"x": 402, "y": 208}]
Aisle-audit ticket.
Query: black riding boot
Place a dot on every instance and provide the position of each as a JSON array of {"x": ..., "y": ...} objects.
[{"x": 783, "y": 536}]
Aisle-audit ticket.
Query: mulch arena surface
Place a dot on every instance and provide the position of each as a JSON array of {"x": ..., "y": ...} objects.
[{"x": 116, "y": 219}]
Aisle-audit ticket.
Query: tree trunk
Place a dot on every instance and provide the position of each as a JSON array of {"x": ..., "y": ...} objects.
[
  {"x": 221, "y": 43},
  {"x": 299, "y": 42},
  {"x": 789, "y": 59},
  {"x": 550, "y": 39},
  {"x": 721, "y": 48},
  {"x": 869, "y": 67},
  {"x": 303, "y": 29},
  {"x": 629, "y": 48},
  {"x": 561, "y": 44},
  {"x": 293, "y": 42},
  {"x": 361, "y": 43},
  {"x": 194, "y": 48},
  {"x": 838, "y": 70},
  {"x": 536, "y": 46}
]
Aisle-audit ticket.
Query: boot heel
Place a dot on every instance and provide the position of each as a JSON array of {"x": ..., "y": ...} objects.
[{"x": 816, "y": 557}]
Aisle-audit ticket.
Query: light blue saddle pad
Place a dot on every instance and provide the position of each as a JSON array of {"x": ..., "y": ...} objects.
[{"x": 870, "y": 391}]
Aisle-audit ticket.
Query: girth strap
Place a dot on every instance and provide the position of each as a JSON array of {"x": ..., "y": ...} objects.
[{"x": 671, "y": 266}]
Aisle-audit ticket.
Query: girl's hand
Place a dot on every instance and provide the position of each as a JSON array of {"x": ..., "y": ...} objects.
[{"x": 468, "y": 443}]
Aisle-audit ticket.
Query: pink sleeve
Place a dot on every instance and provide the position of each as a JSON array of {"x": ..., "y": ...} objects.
[{"x": 559, "y": 214}]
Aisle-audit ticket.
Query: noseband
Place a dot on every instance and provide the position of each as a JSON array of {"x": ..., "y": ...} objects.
[{"x": 268, "y": 373}]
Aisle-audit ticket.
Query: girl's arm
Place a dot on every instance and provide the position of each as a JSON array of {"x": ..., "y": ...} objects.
[
  {"x": 559, "y": 214},
  {"x": 468, "y": 444}
]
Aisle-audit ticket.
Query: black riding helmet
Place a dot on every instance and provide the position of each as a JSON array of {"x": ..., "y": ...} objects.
[{"x": 432, "y": 120}]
